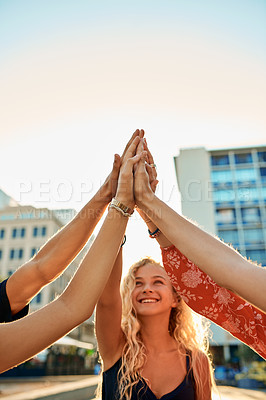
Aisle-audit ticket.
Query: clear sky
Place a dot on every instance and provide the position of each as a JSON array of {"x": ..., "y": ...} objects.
[{"x": 78, "y": 77}]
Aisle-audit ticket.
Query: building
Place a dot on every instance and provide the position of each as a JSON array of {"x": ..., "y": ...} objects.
[
  {"x": 224, "y": 191},
  {"x": 23, "y": 230},
  {"x": 6, "y": 200}
]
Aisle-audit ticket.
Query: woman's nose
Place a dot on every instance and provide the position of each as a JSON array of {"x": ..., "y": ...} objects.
[{"x": 147, "y": 289}]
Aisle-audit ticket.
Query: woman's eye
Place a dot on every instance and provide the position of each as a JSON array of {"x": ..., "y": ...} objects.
[
  {"x": 138, "y": 283},
  {"x": 158, "y": 282}
]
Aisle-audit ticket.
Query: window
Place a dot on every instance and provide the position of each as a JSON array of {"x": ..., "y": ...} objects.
[
  {"x": 248, "y": 195},
  {"x": 253, "y": 236},
  {"x": 224, "y": 176},
  {"x": 220, "y": 160},
  {"x": 262, "y": 156},
  {"x": 18, "y": 233},
  {"x": 10, "y": 272},
  {"x": 2, "y": 233},
  {"x": 250, "y": 215},
  {"x": 39, "y": 231},
  {"x": 263, "y": 189},
  {"x": 257, "y": 255},
  {"x": 16, "y": 254},
  {"x": 245, "y": 175},
  {"x": 243, "y": 158},
  {"x": 263, "y": 174},
  {"x": 229, "y": 236},
  {"x": 223, "y": 195},
  {"x": 33, "y": 251},
  {"x": 37, "y": 299},
  {"x": 227, "y": 216},
  {"x": 0, "y": 254}
]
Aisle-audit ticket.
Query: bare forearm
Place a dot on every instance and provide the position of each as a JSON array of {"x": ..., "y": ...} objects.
[
  {"x": 75, "y": 305},
  {"x": 226, "y": 267},
  {"x": 112, "y": 288},
  {"x": 101, "y": 258},
  {"x": 63, "y": 247}
]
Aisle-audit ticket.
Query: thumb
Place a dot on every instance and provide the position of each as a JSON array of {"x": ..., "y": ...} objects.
[{"x": 117, "y": 161}]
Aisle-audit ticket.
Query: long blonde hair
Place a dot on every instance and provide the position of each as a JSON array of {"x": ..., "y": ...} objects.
[{"x": 187, "y": 328}]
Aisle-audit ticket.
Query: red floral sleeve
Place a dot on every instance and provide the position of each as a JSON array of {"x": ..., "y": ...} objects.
[{"x": 220, "y": 305}]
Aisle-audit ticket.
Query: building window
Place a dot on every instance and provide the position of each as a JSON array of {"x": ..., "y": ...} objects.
[
  {"x": 253, "y": 236},
  {"x": 18, "y": 233},
  {"x": 229, "y": 236},
  {"x": 225, "y": 216},
  {"x": 248, "y": 195},
  {"x": 37, "y": 299},
  {"x": 33, "y": 251},
  {"x": 245, "y": 175},
  {"x": 16, "y": 254},
  {"x": 243, "y": 158},
  {"x": 250, "y": 215},
  {"x": 219, "y": 177},
  {"x": 39, "y": 231},
  {"x": 10, "y": 272},
  {"x": 220, "y": 160},
  {"x": 262, "y": 156},
  {"x": 223, "y": 195},
  {"x": 1, "y": 254},
  {"x": 263, "y": 174},
  {"x": 2, "y": 233},
  {"x": 257, "y": 255}
]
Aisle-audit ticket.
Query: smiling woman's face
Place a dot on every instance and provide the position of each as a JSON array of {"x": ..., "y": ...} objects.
[{"x": 153, "y": 293}]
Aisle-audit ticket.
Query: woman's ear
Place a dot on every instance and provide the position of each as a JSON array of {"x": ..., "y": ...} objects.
[{"x": 176, "y": 300}]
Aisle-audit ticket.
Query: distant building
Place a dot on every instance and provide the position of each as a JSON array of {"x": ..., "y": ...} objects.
[
  {"x": 23, "y": 230},
  {"x": 6, "y": 200},
  {"x": 224, "y": 191}
]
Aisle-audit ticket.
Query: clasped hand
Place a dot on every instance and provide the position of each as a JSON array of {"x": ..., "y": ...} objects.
[{"x": 137, "y": 179}]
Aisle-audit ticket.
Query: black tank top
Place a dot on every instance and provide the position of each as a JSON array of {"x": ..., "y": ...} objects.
[{"x": 141, "y": 391}]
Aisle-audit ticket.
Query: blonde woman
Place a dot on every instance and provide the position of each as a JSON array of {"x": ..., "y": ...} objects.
[{"x": 150, "y": 344}]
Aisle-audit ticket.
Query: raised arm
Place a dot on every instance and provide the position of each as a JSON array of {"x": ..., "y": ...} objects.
[
  {"x": 109, "y": 307},
  {"x": 54, "y": 257},
  {"x": 109, "y": 334},
  {"x": 223, "y": 264},
  {"x": 76, "y": 304},
  {"x": 153, "y": 230}
]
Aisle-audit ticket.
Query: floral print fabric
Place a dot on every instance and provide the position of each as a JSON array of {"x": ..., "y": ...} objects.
[{"x": 218, "y": 304}]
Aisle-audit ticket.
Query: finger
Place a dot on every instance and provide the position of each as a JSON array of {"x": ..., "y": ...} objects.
[
  {"x": 150, "y": 158},
  {"x": 154, "y": 184},
  {"x": 152, "y": 172},
  {"x": 131, "y": 151},
  {"x": 149, "y": 169},
  {"x": 141, "y": 133},
  {"x": 133, "y": 161},
  {"x": 135, "y": 134},
  {"x": 117, "y": 161}
]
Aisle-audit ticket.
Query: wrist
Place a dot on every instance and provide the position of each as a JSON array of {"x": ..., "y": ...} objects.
[
  {"x": 121, "y": 207},
  {"x": 145, "y": 201},
  {"x": 104, "y": 194},
  {"x": 125, "y": 201}
]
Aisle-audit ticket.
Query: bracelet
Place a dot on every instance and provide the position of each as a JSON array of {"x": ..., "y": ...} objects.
[
  {"x": 121, "y": 211},
  {"x": 126, "y": 211},
  {"x": 154, "y": 234},
  {"x": 124, "y": 241}
]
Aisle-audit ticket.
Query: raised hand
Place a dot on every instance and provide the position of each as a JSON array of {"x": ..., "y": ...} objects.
[
  {"x": 108, "y": 189},
  {"x": 125, "y": 193},
  {"x": 145, "y": 181}
]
